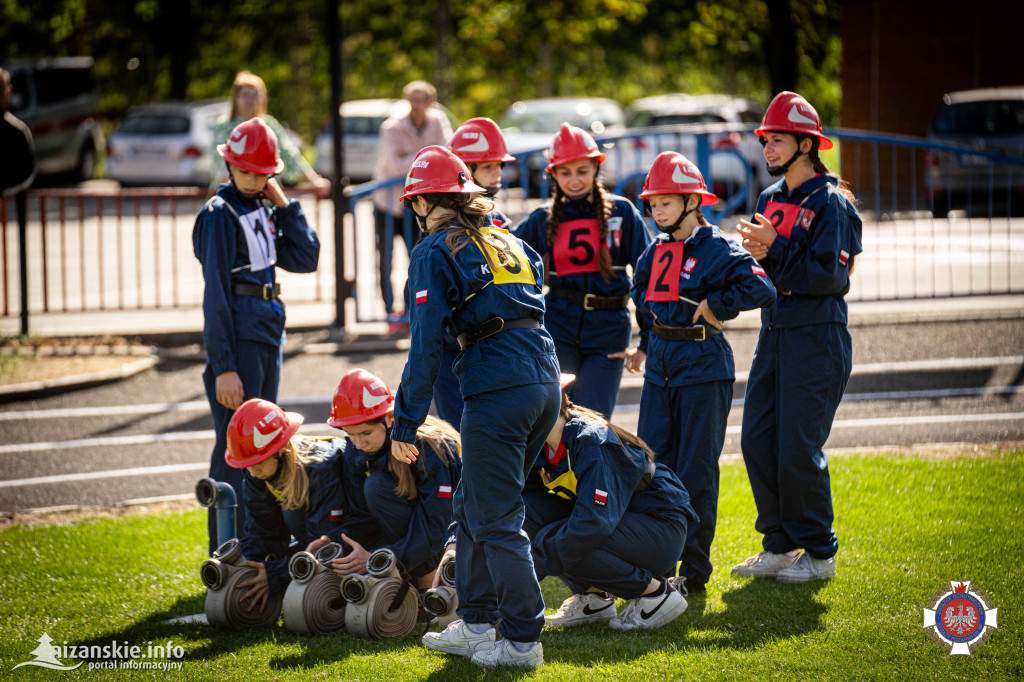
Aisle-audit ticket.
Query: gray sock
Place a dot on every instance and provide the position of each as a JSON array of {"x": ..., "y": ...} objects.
[
  {"x": 478, "y": 628},
  {"x": 523, "y": 647}
]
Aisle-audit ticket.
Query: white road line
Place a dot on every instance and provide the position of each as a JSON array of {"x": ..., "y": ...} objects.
[
  {"x": 142, "y": 439},
  {"x": 950, "y": 364},
  {"x": 921, "y": 420}
]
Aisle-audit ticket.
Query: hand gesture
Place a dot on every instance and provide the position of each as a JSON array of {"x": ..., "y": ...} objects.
[
  {"x": 763, "y": 232},
  {"x": 635, "y": 359},
  {"x": 314, "y": 546},
  {"x": 704, "y": 310},
  {"x": 354, "y": 561},
  {"x": 275, "y": 194},
  {"x": 404, "y": 452},
  {"x": 260, "y": 591},
  {"x": 758, "y": 250},
  {"x": 229, "y": 390}
]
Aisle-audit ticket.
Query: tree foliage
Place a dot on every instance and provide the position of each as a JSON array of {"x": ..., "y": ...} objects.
[{"x": 482, "y": 56}]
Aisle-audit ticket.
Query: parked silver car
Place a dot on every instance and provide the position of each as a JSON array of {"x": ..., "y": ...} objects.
[
  {"x": 361, "y": 121},
  {"x": 990, "y": 119},
  {"x": 728, "y": 171},
  {"x": 165, "y": 144},
  {"x": 531, "y": 124},
  {"x": 58, "y": 100}
]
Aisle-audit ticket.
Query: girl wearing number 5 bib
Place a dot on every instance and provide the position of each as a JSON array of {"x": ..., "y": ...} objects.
[
  {"x": 689, "y": 281},
  {"x": 483, "y": 286},
  {"x": 587, "y": 238},
  {"x": 806, "y": 234}
]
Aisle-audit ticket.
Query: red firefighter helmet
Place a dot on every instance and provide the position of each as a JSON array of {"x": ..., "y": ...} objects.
[
  {"x": 360, "y": 397},
  {"x": 791, "y": 113},
  {"x": 252, "y": 146},
  {"x": 258, "y": 430},
  {"x": 672, "y": 173},
  {"x": 438, "y": 170},
  {"x": 479, "y": 140},
  {"x": 572, "y": 144}
]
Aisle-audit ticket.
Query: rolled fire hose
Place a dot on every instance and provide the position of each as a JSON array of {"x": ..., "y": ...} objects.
[
  {"x": 441, "y": 601},
  {"x": 380, "y": 604},
  {"x": 312, "y": 602},
  {"x": 224, "y": 607}
]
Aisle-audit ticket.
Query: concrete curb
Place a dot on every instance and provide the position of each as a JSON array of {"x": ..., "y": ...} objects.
[{"x": 36, "y": 389}]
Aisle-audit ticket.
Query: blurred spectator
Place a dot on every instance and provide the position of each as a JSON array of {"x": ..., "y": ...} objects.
[
  {"x": 249, "y": 100},
  {"x": 19, "y": 167},
  {"x": 401, "y": 138}
]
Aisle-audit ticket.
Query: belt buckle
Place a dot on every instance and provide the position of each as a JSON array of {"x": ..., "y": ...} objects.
[
  {"x": 586, "y": 302},
  {"x": 267, "y": 293},
  {"x": 703, "y": 332}
]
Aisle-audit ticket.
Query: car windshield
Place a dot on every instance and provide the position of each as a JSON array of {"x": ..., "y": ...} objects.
[
  {"x": 155, "y": 125},
  {"x": 592, "y": 117},
  {"x": 362, "y": 125},
  {"x": 996, "y": 117}
]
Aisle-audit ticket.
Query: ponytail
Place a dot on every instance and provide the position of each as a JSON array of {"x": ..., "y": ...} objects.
[
  {"x": 469, "y": 213},
  {"x": 821, "y": 168}
]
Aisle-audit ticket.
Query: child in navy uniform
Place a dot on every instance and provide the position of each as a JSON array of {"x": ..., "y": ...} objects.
[
  {"x": 239, "y": 241},
  {"x": 587, "y": 238},
  {"x": 484, "y": 286},
  {"x": 411, "y": 504},
  {"x": 806, "y": 234},
  {"x": 690, "y": 281}
]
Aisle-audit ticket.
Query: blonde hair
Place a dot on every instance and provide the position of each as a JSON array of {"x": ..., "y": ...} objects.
[
  {"x": 249, "y": 79},
  {"x": 602, "y": 205},
  {"x": 470, "y": 211},
  {"x": 569, "y": 411},
  {"x": 292, "y": 480},
  {"x": 442, "y": 438}
]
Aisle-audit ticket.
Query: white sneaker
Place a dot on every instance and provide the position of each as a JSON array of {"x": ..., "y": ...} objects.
[
  {"x": 647, "y": 613},
  {"x": 807, "y": 568},
  {"x": 578, "y": 609},
  {"x": 763, "y": 565},
  {"x": 459, "y": 640},
  {"x": 504, "y": 652}
]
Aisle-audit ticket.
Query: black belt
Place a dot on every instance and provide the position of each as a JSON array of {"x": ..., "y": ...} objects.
[
  {"x": 697, "y": 332},
  {"x": 268, "y": 292},
  {"x": 590, "y": 301},
  {"x": 645, "y": 481},
  {"x": 492, "y": 327}
]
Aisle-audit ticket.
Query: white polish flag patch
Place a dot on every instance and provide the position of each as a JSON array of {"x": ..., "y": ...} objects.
[
  {"x": 600, "y": 497},
  {"x": 444, "y": 491},
  {"x": 844, "y": 257},
  {"x": 758, "y": 270},
  {"x": 421, "y": 296}
]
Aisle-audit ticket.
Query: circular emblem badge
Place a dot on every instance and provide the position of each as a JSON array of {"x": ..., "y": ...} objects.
[{"x": 960, "y": 618}]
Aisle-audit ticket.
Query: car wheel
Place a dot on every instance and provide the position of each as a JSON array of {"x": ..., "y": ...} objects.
[{"x": 86, "y": 168}]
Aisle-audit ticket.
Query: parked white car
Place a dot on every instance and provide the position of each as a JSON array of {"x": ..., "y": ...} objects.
[
  {"x": 361, "y": 120},
  {"x": 728, "y": 172},
  {"x": 165, "y": 144}
]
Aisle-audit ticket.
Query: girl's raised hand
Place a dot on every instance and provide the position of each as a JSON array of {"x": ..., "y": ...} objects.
[
  {"x": 404, "y": 452},
  {"x": 275, "y": 194},
  {"x": 763, "y": 232}
]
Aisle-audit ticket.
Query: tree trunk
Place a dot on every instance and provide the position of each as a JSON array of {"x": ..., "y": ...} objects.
[{"x": 781, "y": 46}]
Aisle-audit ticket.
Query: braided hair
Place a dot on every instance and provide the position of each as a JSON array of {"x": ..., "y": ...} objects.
[{"x": 603, "y": 207}]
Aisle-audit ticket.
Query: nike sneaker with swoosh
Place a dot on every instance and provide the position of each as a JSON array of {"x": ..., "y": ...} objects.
[
  {"x": 579, "y": 609},
  {"x": 648, "y": 613},
  {"x": 459, "y": 640}
]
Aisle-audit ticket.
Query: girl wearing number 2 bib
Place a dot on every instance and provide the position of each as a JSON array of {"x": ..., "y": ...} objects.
[
  {"x": 806, "y": 234},
  {"x": 689, "y": 281},
  {"x": 587, "y": 237},
  {"x": 484, "y": 286}
]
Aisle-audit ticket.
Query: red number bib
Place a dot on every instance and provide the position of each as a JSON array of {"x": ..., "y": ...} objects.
[
  {"x": 784, "y": 217},
  {"x": 664, "y": 282},
  {"x": 577, "y": 245}
]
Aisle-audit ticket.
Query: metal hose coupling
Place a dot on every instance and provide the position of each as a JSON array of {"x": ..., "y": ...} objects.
[
  {"x": 381, "y": 604},
  {"x": 221, "y": 497},
  {"x": 221, "y": 576},
  {"x": 312, "y": 603},
  {"x": 441, "y": 601}
]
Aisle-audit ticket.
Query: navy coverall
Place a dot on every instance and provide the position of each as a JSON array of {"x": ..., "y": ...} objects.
[
  {"x": 447, "y": 395},
  {"x": 589, "y": 525},
  {"x": 415, "y": 530},
  {"x": 584, "y": 338},
  {"x": 801, "y": 365},
  {"x": 269, "y": 528},
  {"x": 510, "y": 383},
  {"x": 687, "y": 389},
  {"x": 240, "y": 242}
]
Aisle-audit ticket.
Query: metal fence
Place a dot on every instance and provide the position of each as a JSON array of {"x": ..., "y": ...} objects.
[{"x": 939, "y": 220}]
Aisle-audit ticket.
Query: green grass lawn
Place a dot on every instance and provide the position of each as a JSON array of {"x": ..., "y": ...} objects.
[{"x": 906, "y": 525}]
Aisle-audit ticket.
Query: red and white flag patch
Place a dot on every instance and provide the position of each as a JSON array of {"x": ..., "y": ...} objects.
[
  {"x": 421, "y": 296},
  {"x": 336, "y": 514},
  {"x": 758, "y": 270},
  {"x": 844, "y": 256},
  {"x": 600, "y": 497},
  {"x": 444, "y": 491}
]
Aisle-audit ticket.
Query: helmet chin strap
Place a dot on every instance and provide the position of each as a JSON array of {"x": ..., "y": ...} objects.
[
  {"x": 776, "y": 171},
  {"x": 669, "y": 229}
]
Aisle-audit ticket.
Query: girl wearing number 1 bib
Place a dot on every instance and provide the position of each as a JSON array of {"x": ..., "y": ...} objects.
[
  {"x": 689, "y": 281},
  {"x": 587, "y": 238},
  {"x": 484, "y": 286}
]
